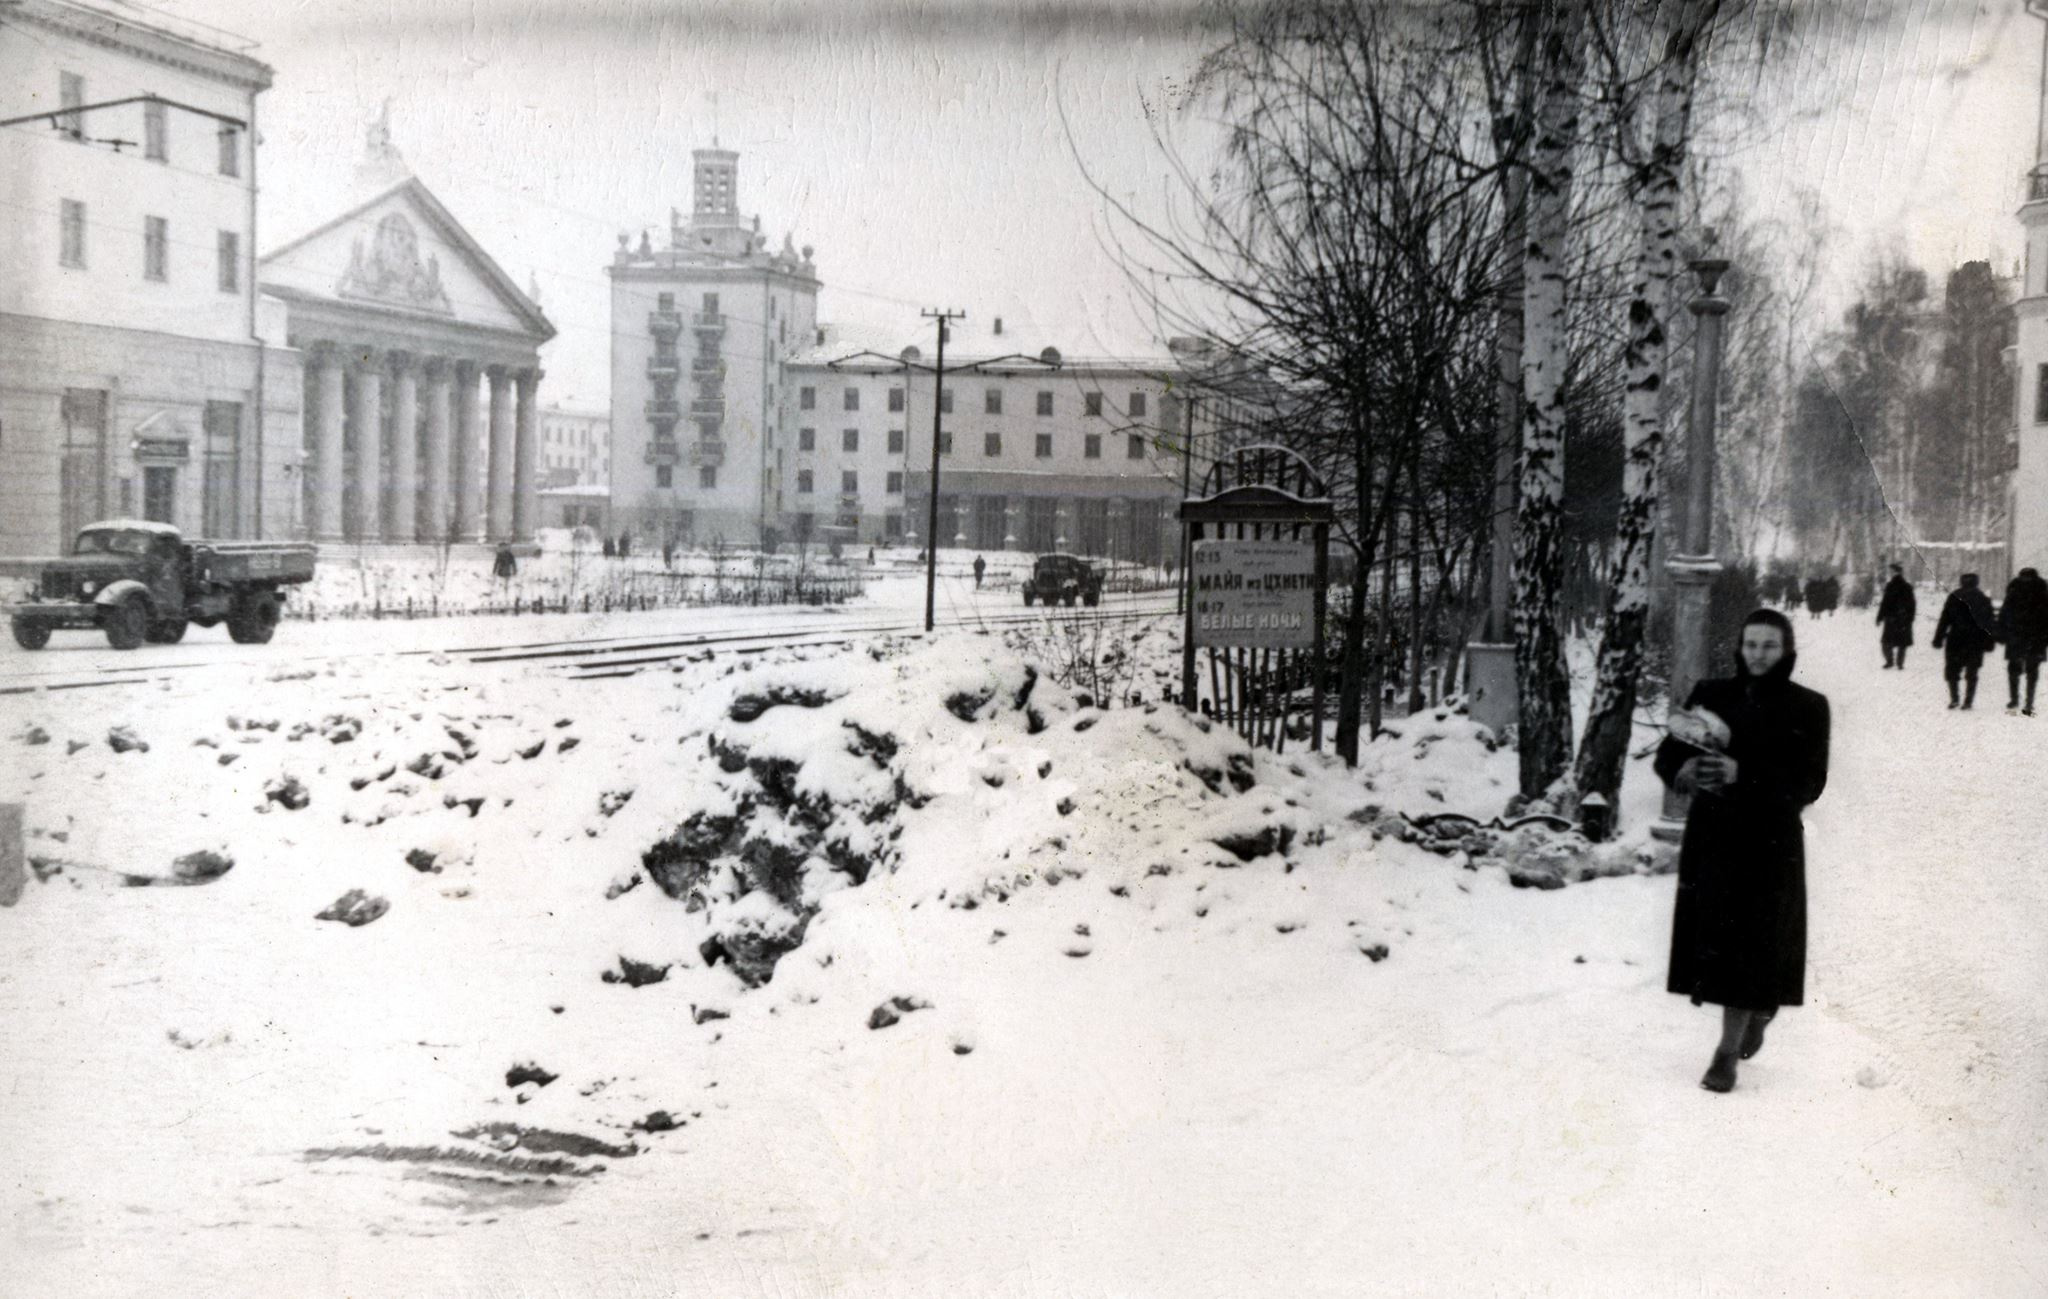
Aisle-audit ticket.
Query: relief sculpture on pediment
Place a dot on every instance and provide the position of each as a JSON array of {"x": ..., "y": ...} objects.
[{"x": 391, "y": 270}]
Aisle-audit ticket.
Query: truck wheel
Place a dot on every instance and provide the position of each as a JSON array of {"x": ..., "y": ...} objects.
[
  {"x": 169, "y": 631},
  {"x": 254, "y": 620},
  {"x": 127, "y": 623},
  {"x": 31, "y": 635}
]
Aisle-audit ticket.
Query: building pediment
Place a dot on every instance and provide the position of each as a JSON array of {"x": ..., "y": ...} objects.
[{"x": 402, "y": 253}]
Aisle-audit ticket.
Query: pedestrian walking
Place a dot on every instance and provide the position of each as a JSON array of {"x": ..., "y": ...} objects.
[
  {"x": 1831, "y": 594},
  {"x": 610, "y": 551},
  {"x": 503, "y": 566},
  {"x": 1964, "y": 634},
  {"x": 1791, "y": 594},
  {"x": 1895, "y": 614},
  {"x": 1752, "y": 754},
  {"x": 980, "y": 567},
  {"x": 1816, "y": 596},
  {"x": 2023, "y": 622}
]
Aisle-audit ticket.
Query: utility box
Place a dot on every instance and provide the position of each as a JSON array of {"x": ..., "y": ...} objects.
[{"x": 1490, "y": 686}]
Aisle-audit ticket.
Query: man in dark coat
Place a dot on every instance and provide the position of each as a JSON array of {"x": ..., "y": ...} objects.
[
  {"x": 1965, "y": 634},
  {"x": 1895, "y": 614},
  {"x": 1738, "y": 934},
  {"x": 2023, "y": 622},
  {"x": 1816, "y": 596}
]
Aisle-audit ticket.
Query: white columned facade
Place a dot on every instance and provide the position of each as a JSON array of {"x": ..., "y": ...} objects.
[
  {"x": 468, "y": 453},
  {"x": 369, "y": 444},
  {"x": 329, "y": 412},
  {"x": 498, "y": 507},
  {"x": 525, "y": 455},
  {"x": 435, "y": 512},
  {"x": 402, "y": 512}
]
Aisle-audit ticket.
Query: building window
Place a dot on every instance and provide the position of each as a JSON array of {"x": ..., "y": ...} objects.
[
  {"x": 992, "y": 401},
  {"x": 665, "y": 302},
  {"x": 156, "y": 239},
  {"x": 1137, "y": 405},
  {"x": 896, "y": 399},
  {"x": 711, "y": 304},
  {"x": 707, "y": 476},
  {"x": 155, "y": 134},
  {"x": 803, "y": 482},
  {"x": 71, "y": 251},
  {"x": 849, "y": 439},
  {"x": 945, "y": 444},
  {"x": 892, "y": 526},
  {"x": 1091, "y": 446},
  {"x": 71, "y": 94},
  {"x": 1044, "y": 449},
  {"x": 895, "y": 482},
  {"x": 1136, "y": 450},
  {"x": 664, "y": 476},
  {"x": 849, "y": 482},
  {"x": 2041, "y": 395},
  {"x": 1091, "y": 403},
  {"x": 230, "y": 246},
  {"x": 991, "y": 444},
  {"x": 895, "y": 441},
  {"x": 852, "y": 399},
  {"x": 945, "y": 401},
  {"x": 230, "y": 151},
  {"x": 1045, "y": 403},
  {"x": 807, "y": 399},
  {"x": 807, "y": 439}
]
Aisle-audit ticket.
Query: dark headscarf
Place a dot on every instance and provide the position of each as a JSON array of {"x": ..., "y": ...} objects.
[{"x": 1781, "y": 671}]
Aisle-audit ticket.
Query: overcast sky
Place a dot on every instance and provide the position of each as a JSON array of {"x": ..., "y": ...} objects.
[{"x": 923, "y": 149}]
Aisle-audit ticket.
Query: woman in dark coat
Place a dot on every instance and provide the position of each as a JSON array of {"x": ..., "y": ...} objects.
[
  {"x": 2023, "y": 622},
  {"x": 1965, "y": 634},
  {"x": 1895, "y": 614},
  {"x": 1738, "y": 935}
]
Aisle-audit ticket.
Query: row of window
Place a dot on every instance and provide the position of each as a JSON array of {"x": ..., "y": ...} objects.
[
  {"x": 991, "y": 401},
  {"x": 156, "y": 131},
  {"x": 991, "y": 443},
  {"x": 707, "y": 476},
  {"x": 156, "y": 247},
  {"x": 849, "y": 482}
]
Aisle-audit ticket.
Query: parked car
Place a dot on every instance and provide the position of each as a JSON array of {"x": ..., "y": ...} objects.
[
  {"x": 1063, "y": 579},
  {"x": 138, "y": 581}
]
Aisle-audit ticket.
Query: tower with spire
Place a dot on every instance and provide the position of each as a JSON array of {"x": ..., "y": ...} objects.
[
  {"x": 2027, "y": 516},
  {"x": 699, "y": 332}
]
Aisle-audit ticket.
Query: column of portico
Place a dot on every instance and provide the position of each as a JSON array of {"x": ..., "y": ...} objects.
[
  {"x": 498, "y": 508},
  {"x": 525, "y": 489},
  {"x": 401, "y": 512},
  {"x": 323, "y": 506},
  {"x": 368, "y": 377},
  {"x": 439, "y": 434},
  {"x": 468, "y": 461}
]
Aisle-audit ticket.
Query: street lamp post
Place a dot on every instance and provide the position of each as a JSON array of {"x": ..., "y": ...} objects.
[{"x": 1693, "y": 565}]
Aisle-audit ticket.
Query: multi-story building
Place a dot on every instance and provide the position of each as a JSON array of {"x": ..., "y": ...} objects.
[
  {"x": 575, "y": 446},
  {"x": 141, "y": 372},
  {"x": 700, "y": 331},
  {"x": 2027, "y": 510}
]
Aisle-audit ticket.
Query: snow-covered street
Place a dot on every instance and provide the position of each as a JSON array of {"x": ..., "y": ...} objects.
[{"x": 1153, "y": 1033}]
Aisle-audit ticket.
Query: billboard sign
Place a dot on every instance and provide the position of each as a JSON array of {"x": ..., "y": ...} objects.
[{"x": 1254, "y": 594}]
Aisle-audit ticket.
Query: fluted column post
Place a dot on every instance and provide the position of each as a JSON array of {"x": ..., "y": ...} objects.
[
  {"x": 468, "y": 452},
  {"x": 368, "y": 375},
  {"x": 402, "y": 512},
  {"x": 525, "y": 488},
  {"x": 323, "y": 505},
  {"x": 498, "y": 509},
  {"x": 434, "y": 517}
]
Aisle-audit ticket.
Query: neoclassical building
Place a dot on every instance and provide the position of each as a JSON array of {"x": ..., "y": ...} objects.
[
  {"x": 2027, "y": 511},
  {"x": 422, "y": 371}
]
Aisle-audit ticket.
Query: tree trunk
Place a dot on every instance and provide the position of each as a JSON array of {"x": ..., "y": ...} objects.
[
  {"x": 1351, "y": 678},
  {"x": 1415, "y": 578},
  {"x": 1603, "y": 750},
  {"x": 1544, "y": 688}
]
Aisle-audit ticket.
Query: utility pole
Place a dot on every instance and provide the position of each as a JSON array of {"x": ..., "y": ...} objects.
[
  {"x": 1187, "y": 463},
  {"x": 931, "y": 532}
]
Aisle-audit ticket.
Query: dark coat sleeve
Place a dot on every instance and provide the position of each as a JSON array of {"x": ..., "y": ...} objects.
[
  {"x": 1948, "y": 618},
  {"x": 1794, "y": 771}
]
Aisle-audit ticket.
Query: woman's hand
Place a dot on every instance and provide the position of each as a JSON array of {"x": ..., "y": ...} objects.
[
  {"x": 1687, "y": 780},
  {"x": 1716, "y": 773}
]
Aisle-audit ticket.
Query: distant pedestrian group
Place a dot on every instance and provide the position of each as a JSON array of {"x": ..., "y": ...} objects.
[{"x": 1969, "y": 629}]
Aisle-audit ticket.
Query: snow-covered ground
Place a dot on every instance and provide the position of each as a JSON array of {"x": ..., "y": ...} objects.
[{"x": 1125, "y": 1059}]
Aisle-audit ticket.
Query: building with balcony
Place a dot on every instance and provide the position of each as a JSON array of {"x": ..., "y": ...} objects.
[
  {"x": 700, "y": 331},
  {"x": 142, "y": 372}
]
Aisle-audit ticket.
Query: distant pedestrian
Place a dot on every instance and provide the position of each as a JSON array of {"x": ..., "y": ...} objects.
[
  {"x": 610, "y": 551},
  {"x": 1966, "y": 632},
  {"x": 2023, "y": 622},
  {"x": 871, "y": 556},
  {"x": 1816, "y": 596},
  {"x": 1895, "y": 614},
  {"x": 503, "y": 566},
  {"x": 1832, "y": 592},
  {"x": 980, "y": 567},
  {"x": 1754, "y": 752},
  {"x": 625, "y": 544},
  {"x": 1791, "y": 595}
]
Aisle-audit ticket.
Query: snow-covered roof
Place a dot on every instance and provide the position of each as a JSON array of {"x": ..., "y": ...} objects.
[
  {"x": 135, "y": 525},
  {"x": 579, "y": 489}
]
